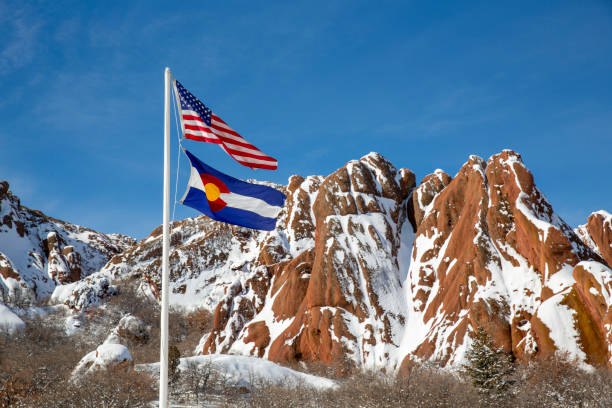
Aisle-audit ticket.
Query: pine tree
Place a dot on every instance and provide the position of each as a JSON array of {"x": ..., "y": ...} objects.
[{"x": 487, "y": 367}]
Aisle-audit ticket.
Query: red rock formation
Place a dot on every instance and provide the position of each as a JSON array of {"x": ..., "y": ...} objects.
[
  {"x": 335, "y": 296},
  {"x": 339, "y": 278},
  {"x": 490, "y": 252},
  {"x": 332, "y": 282},
  {"x": 424, "y": 194},
  {"x": 597, "y": 234}
]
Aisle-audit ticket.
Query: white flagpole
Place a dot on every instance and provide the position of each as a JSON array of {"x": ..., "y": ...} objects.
[{"x": 163, "y": 362}]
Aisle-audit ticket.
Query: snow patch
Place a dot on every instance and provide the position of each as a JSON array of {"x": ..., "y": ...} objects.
[
  {"x": 242, "y": 371},
  {"x": 103, "y": 357},
  {"x": 9, "y": 321}
]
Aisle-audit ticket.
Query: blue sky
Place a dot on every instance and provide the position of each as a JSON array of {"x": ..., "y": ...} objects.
[{"x": 314, "y": 84}]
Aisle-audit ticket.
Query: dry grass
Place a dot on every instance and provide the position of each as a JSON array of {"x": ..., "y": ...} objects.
[
  {"x": 554, "y": 382},
  {"x": 37, "y": 364}
]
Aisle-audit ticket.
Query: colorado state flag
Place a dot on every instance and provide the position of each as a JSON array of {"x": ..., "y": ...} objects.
[{"x": 227, "y": 199}]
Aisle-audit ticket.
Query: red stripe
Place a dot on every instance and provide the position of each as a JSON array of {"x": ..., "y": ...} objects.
[
  {"x": 251, "y": 155},
  {"x": 191, "y": 117},
  {"x": 201, "y": 138},
  {"x": 236, "y": 142},
  {"x": 222, "y": 129},
  {"x": 201, "y": 128}
]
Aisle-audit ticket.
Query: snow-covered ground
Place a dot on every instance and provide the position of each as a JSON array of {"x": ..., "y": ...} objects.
[
  {"x": 9, "y": 321},
  {"x": 243, "y": 371}
]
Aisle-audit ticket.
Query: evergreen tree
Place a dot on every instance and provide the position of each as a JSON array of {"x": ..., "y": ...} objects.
[{"x": 487, "y": 366}]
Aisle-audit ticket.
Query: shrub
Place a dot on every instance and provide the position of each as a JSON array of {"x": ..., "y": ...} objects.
[{"x": 558, "y": 382}]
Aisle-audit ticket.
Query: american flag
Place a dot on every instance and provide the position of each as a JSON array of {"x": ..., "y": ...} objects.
[{"x": 201, "y": 124}]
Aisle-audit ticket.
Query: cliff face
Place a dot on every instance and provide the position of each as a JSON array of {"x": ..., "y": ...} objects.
[
  {"x": 39, "y": 253},
  {"x": 490, "y": 252},
  {"x": 338, "y": 292},
  {"x": 597, "y": 234},
  {"x": 340, "y": 278}
]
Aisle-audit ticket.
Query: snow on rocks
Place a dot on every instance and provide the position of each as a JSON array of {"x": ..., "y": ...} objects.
[
  {"x": 130, "y": 330},
  {"x": 340, "y": 279},
  {"x": 490, "y": 252},
  {"x": 206, "y": 257},
  {"x": 426, "y": 191},
  {"x": 340, "y": 297},
  {"x": 39, "y": 253},
  {"x": 365, "y": 268},
  {"x": 84, "y": 293},
  {"x": 597, "y": 234},
  {"x": 113, "y": 352},
  {"x": 106, "y": 356}
]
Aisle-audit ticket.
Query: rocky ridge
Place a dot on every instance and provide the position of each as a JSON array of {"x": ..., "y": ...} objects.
[
  {"x": 339, "y": 279},
  {"x": 367, "y": 268},
  {"x": 490, "y": 252},
  {"x": 597, "y": 234},
  {"x": 39, "y": 253}
]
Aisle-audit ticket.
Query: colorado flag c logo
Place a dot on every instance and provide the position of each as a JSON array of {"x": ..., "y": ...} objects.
[{"x": 213, "y": 187}]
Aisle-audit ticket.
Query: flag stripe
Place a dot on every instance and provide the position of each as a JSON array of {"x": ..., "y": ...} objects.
[
  {"x": 251, "y": 160},
  {"x": 252, "y": 204},
  {"x": 200, "y": 128},
  {"x": 224, "y": 129},
  {"x": 244, "y": 150},
  {"x": 242, "y": 143},
  {"x": 192, "y": 117},
  {"x": 201, "y": 139},
  {"x": 232, "y": 144},
  {"x": 203, "y": 134},
  {"x": 200, "y": 124},
  {"x": 233, "y": 140},
  {"x": 248, "y": 161},
  {"x": 193, "y": 122},
  {"x": 228, "y": 135}
]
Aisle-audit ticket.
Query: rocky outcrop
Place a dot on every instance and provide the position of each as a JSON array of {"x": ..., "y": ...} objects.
[
  {"x": 130, "y": 330},
  {"x": 366, "y": 268},
  {"x": 424, "y": 194},
  {"x": 334, "y": 297},
  {"x": 205, "y": 259},
  {"x": 86, "y": 292},
  {"x": 490, "y": 252},
  {"x": 113, "y": 353},
  {"x": 39, "y": 253},
  {"x": 64, "y": 264},
  {"x": 107, "y": 356},
  {"x": 597, "y": 234}
]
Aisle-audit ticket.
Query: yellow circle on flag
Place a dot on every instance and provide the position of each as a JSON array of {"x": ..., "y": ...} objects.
[{"x": 212, "y": 191}]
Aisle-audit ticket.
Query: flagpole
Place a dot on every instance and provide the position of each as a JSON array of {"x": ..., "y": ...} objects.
[{"x": 163, "y": 362}]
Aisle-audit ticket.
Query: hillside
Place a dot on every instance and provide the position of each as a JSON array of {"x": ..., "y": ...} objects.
[{"x": 39, "y": 253}]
